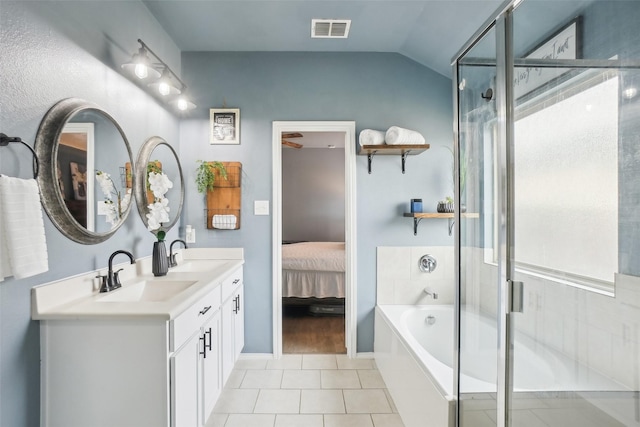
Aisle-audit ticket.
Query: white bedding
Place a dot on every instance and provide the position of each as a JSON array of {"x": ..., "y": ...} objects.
[
  {"x": 313, "y": 270},
  {"x": 313, "y": 256}
]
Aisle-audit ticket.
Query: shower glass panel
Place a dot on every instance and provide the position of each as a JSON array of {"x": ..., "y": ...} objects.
[
  {"x": 575, "y": 212},
  {"x": 478, "y": 291}
]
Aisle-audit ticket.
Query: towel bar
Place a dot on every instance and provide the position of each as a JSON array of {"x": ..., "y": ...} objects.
[{"x": 5, "y": 140}]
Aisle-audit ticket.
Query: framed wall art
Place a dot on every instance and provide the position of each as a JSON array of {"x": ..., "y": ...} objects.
[{"x": 225, "y": 126}]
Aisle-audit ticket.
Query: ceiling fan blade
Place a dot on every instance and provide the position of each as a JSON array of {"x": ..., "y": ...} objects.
[
  {"x": 291, "y": 144},
  {"x": 292, "y": 135}
]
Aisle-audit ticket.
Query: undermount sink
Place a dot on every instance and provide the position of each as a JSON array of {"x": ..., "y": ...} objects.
[
  {"x": 196, "y": 265},
  {"x": 147, "y": 291}
]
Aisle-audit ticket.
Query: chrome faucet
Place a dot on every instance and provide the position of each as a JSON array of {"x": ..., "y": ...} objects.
[
  {"x": 430, "y": 292},
  {"x": 172, "y": 256},
  {"x": 111, "y": 281}
]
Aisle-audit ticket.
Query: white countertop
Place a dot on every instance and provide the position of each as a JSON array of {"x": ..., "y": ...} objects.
[{"x": 78, "y": 297}]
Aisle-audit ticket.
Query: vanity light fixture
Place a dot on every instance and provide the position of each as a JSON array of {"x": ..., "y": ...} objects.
[
  {"x": 165, "y": 85},
  {"x": 146, "y": 65}
]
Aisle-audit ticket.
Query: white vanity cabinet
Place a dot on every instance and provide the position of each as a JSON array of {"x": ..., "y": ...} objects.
[
  {"x": 232, "y": 322},
  {"x": 106, "y": 362},
  {"x": 195, "y": 362}
]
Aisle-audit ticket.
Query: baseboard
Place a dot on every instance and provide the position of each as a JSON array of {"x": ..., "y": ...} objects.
[{"x": 249, "y": 356}]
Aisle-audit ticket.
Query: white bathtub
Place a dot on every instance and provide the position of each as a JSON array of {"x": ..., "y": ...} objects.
[{"x": 414, "y": 352}]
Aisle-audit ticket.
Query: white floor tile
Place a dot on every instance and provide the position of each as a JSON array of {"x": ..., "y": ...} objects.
[
  {"x": 370, "y": 378},
  {"x": 322, "y": 402},
  {"x": 278, "y": 402},
  {"x": 301, "y": 379},
  {"x": 299, "y": 420},
  {"x": 287, "y": 361},
  {"x": 348, "y": 420},
  {"x": 217, "y": 420},
  {"x": 370, "y": 401},
  {"x": 387, "y": 420},
  {"x": 236, "y": 401},
  {"x": 476, "y": 419},
  {"x": 319, "y": 361},
  {"x": 345, "y": 362},
  {"x": 269, "y": 378},
  {"x": 337, "y": 379},
  {"x": 250, "y": 420},
  {"x": 251, "y": 364},
  {"x": 235, "y": 378}
]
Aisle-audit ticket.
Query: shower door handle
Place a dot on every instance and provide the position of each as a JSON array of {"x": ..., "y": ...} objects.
[{"x": 516, "y": 289}]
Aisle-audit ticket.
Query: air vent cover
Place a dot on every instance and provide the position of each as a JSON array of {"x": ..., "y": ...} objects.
[{"x": 330, "y": 28}]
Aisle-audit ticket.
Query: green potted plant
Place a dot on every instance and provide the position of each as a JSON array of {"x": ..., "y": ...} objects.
[{"x": 206, "y": 175}]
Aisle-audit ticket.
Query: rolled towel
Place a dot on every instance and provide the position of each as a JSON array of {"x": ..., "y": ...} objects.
[
  {"x": 396, "y": 135},
  {"x": 224, "y": 222},
  {"x": 371, "y": 137}
]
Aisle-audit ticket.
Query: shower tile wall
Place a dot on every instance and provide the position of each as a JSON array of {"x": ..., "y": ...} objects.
[
  {"x": 597, "y": 331},
  {"x": 400, "y": 281}
]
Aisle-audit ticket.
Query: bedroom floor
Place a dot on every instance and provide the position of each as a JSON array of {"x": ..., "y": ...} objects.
[
  {"x": 307, "y": 390},
  {"x": 303, "y": 333}
]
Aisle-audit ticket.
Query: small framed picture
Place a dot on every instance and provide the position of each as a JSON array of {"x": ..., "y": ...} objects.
[{"x": 225, "y": 126}]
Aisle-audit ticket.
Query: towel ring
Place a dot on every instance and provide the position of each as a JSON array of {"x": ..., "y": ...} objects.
[{"x": 5, "y": 140}]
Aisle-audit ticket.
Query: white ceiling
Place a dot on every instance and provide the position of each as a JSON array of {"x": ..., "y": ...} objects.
[{"x": 428, "y": 31}]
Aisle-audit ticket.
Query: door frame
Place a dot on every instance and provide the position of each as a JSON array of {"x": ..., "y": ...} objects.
[{"x": 349, "y": 129}]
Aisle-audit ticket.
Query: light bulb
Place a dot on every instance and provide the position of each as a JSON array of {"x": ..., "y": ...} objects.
[
  {"x": 141, "y": 71},
  {"x": 164, "y": 89},
  {"x": 182, "y": 104}
]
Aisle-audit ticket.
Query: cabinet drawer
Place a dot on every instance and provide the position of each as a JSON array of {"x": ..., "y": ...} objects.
[
  {"x": 187, "y": 323},
  {"x": 231, "y": 283}
]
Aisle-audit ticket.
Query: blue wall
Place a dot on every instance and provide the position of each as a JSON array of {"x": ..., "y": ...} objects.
[
  {"x": 51, "y": 51},
  {"x": 55, "y": 50},
  {"x": 376, "y": 90}
]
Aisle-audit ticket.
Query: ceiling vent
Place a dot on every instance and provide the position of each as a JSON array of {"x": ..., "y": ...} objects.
[{"x": 330, "y": 28}]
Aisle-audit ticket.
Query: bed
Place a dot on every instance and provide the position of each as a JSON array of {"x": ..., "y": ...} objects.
[{"x": 313, "y": 271}]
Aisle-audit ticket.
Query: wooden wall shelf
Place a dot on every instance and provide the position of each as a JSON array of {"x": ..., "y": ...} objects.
[
  {"x": 391, "y": 150},
  {"x": 223, "y": 204},
  {"x": 419, "y": 216}
]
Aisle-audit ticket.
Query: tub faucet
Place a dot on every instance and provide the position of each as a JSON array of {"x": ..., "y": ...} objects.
[
  {"x": 430, "y": 292},
  {"x": 112, "y": 281},
  {"x": 172, "y": 256}
]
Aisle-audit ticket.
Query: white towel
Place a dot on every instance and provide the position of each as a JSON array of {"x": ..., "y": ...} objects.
[
  {"x": 371, "y": 137},
  {"x": 224, "y": 222},
  {"x": 23, "y": 246},
  {"x": 396, "y": 135}
]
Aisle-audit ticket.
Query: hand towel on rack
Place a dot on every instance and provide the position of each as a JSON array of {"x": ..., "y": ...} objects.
[
  {"x": 23, "y": 243},
  {"x": 371, "y": 137},
  {"x": 396, "y": 135},
  {"x": 224, "y": 222}
]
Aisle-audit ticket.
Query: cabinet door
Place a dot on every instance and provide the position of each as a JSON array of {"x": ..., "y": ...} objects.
[
  {"x": 184, "y": 384},
  {"x": 227, "y": 338},
  {"x": 210, "y": 360},
  {"x": 238, "y": 324}
]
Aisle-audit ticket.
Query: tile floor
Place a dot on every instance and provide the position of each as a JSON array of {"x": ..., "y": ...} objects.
[{"x": 305, "y": 390}]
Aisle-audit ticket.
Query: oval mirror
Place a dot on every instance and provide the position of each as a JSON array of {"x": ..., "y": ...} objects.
[
  {"x": 159, "y": 185},
  {"x": 85, "y": 170}
]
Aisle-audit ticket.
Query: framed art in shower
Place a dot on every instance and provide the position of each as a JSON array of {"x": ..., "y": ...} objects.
[
  {"x": 565, "y": 43},
  {"x": 224, "y": 126}
]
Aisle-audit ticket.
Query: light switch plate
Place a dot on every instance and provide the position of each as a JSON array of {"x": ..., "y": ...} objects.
[{"x": 261, "y": 207}]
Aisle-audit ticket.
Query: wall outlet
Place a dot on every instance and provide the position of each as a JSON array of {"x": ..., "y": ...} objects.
[{"x": 190, "y": 234}]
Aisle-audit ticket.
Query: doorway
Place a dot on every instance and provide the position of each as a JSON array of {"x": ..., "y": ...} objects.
[{"x": 327, "y": 295}]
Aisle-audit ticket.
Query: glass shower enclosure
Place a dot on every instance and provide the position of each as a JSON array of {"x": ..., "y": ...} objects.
[{"x": 547, "y": 126}]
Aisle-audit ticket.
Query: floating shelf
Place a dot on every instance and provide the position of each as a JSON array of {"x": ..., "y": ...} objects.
[
  {"x": 391, "y": 150},
  {"x": 417, "y": 217}
]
